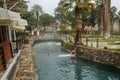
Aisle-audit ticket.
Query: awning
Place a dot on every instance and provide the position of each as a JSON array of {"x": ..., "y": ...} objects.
[
  {"x": 13, "y": 19},
  {"x": 18, "y": 28},
  {"x": 21, "y": 23},
  {"x": 8, "y": 17}
]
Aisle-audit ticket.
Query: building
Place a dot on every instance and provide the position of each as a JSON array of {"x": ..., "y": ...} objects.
[{"x": 9, "y": 21}]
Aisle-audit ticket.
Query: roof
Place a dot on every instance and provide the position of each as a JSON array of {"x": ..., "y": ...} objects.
[{"x": 13, "y": 19}]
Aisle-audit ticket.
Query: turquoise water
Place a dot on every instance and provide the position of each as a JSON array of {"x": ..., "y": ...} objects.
[{"x": 55, "y": 64}]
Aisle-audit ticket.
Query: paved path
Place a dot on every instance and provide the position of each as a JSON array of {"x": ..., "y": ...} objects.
[
  {"x": 94, "y": 44},
  {"x": 101, "y": 45},
  {"x": 26, "y": 69}
]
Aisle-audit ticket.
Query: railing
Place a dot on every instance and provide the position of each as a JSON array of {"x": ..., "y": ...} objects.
[
  {"x": 2, "y": 59},
  {"x": 19, "y": 43},
  {"x": 11, "y": 71},
  {"x": 5, "y": 53}
]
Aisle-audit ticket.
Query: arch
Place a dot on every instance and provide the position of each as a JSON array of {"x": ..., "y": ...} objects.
[{"x": 47, "y": 40}]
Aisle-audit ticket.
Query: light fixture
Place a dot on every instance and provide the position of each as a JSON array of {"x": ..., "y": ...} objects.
[{"x": 92, "y": 2}]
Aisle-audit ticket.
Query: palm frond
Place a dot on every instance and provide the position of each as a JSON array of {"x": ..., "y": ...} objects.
[
  {"x": 38, "y": 8},
  {"x": 65, "y": 7}
]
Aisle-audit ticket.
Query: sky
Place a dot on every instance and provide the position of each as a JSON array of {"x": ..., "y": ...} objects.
[{"x": 48, "y": 6}]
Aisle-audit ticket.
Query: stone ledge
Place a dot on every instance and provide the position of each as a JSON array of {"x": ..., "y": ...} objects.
[{"x": 26, "y": 69}]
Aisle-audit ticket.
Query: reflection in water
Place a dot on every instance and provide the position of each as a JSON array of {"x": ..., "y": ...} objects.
[{"x": 59, "y": 66}]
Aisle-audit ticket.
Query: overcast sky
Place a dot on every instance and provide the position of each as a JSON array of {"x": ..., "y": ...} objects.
[{"x": 49, "y": 5}]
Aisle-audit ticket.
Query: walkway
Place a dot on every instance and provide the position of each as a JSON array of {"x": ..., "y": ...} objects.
[
  {"x": 26, "y": 69},
  {"x": 101, "y": 45}
]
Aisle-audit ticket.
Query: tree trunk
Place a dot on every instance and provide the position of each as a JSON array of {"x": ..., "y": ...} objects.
[
  {"x": 37, "y": 22},
  {"x": 101, "y": 21},
  {"x": 100, "y": 27},
  {"x": 38, "y": 29},
  {"x": 112, "y": 28},
  {"x": 32, "y": 32},
  {"x": 119, "y": 25},
  {"x": 78, "y": 18},
  {"x": 106, "y": 20}
]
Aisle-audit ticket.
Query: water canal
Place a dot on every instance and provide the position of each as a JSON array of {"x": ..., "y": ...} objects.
[{"x": 55, "y": 64}]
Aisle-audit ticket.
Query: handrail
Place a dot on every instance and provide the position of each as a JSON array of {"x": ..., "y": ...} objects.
[{"x": 12, "y": 68}]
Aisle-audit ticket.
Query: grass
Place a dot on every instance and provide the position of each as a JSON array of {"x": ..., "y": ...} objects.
[
  {"x": 114, "y": 49},
  {"x": 92, "y": 36},
  {"x": 113, "y": 40}
]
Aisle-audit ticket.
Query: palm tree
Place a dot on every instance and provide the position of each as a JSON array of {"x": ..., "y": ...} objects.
[
  {"x": 79, "y": 6},
  {"x": 106, "y": 19},
  {"x": 37, "y": 10}
]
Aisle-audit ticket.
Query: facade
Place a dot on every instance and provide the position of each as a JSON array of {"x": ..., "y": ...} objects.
[
  {"x": 9, "y": 21},
  {"x": 5, "y": 47}
]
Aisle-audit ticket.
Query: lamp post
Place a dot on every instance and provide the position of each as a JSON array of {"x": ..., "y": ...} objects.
[{"x": 78, "y": 16}]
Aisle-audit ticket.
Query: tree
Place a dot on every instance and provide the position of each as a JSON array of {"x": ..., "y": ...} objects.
[
  {"x": 37, "y": 10},
  {"x": 90, "y": 19},
  {"x": 106, "y": 19},
  {"x": 78, "y": 6},
  {"x": 28, "y": 15},
  {"x": 70, "y": 18},
  {"x": 46, "y": 20},
  {"x": 64, "y": 18},
  {"x": 59, "y": 15},
  {"x": 96, "y": 16},
  {"x": 113, "y": 17}
]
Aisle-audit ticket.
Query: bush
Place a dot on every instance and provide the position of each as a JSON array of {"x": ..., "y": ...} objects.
[
  {"x": 116, "y": 33},
  {"x": 68, "y": 45},
  {"x": 105, "y": 47}
]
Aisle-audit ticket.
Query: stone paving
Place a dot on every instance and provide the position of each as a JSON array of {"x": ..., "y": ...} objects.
[{"x": 26, "y": 69}]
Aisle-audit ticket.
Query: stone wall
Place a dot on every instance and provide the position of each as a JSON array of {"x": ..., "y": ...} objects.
[{"x": 98, "y": 55}]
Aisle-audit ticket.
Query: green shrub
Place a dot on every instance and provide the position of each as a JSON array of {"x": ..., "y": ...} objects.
[
  {"x": 116, "y": 33},
  {"x": 105, "y": 47},
  {"x": 68, "y": 45}
]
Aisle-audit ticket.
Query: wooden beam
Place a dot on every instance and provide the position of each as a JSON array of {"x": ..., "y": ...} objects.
[
  {"x": 12, "y": 2},
  {"x": 17, "y": 10}
]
